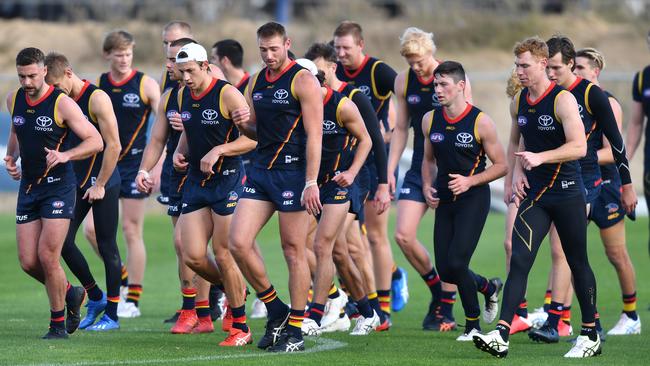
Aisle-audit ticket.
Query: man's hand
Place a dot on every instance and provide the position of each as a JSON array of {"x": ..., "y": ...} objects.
[
  {"x": 344, "y": 179},
  {"x": 55, "y": 158},
  {"x": 208, "y": 161},
  {"x": 431, "y": 196},
  {"x": 628, "y": 198},
  {"x": 529, "y": 160},
  {"x": 12, "y": 168},
  {"x": 459, "y": 184},
  {"x": 310, "y": 199},
  {"x": 241, "y": 115},
  {"x": 143, "y": 182},
  {"x": 94, "y": 193},
  {"x": 519, "y": 186},
  {"x": 392, "y": 185},
  {"x": 179, "y": 162},
  {"x": 382, "y": 199},
  {"x": 176, "y": 122}
]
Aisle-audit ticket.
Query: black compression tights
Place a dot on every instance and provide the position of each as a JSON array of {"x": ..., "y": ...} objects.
[
  {"x": 456, "y": 233},
  {"x": 531, "y": 226},
  {"x": 105, "y": 217}
]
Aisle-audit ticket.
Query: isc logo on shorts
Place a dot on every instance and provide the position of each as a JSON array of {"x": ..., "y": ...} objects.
[
  {"x": 341, "y": 194},
  {"x": 287, "y": 202}
]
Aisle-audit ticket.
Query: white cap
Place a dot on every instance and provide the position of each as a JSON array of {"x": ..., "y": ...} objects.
[
  {"x": 308, "y": 64},
  {"x": 191, "y": 52}
]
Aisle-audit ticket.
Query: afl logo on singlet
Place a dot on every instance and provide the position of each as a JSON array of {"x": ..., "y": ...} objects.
[
  {"x": 209, "y": 117},
  {"x": 280, "y": 96},
  {"x": 365, "y": 89},
  {"x": 171, "y": 113},
  {"x": 257, "y": 96},
  {"x": 413, "y": 99},
  {"x": 185, "y": 116},
  {"x": 19, "y": 120},
  {"x": 646, "y": 93},
  {"x": 522, "y": 120},
  {"x": 43, "y": 123},
  {"x": 545, "y": 123},
  {"x": 464, "y": 139},
  {"x": 437, "y": 137},
  {"x": 329, "y": 126},
  {"x": 131, "y": 100}
]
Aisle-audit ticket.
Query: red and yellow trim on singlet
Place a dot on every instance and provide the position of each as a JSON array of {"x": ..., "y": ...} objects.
[
  {"x": 587, "y": 98},
  {"x": 558, "y": 119},
  {"x": 476, "y": 134},
  {"x": 57, "y": 118},
  {"x": 224, "y": 112},
  {"x": 277, "y": 153},
  {"x": 47, "y": 170},
  {"x": 135, "y": 134},
  {"x": 90, "y": 169},
  {"x": 227, "y": 140},
  {"x": 550, "y": 184}
]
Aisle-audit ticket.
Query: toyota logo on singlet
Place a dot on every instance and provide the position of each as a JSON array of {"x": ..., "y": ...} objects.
[
  {"x": 43, "y": 121},
  {"x": 209, "y": 114},
  {"x": 281, "y": 94},
  {"x": 131, "y": 98},
  {"x": 464, "y": 138},
  {"x": 435, "y": 101},
  {"x": 365, "y": 89},
  {"x": 545, "y": 120},
  {"x": 328, "y": 125}
]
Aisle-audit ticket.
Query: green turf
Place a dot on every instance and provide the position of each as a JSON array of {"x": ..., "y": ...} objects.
[{"x": 145, "y": 340}]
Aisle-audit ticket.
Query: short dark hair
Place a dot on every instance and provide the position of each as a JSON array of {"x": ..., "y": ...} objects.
[
  {"x": 452, "y": 69},
  {"x": 29, "y": 56},
  {"x": 318, "y": 50},
  {"x": 349, "y": 28},
  {"x": 182, "y": 42},
  {"x": 56, "y": 64},
  {"x": 562, "y": 45},
  {"x": 231, "y": 49},
  {"x": 271, "y": 29}
]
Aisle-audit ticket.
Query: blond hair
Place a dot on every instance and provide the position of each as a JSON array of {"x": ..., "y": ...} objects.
[
  {"x": 415, "y": 41},
  {"x": 56, "y": 64},
  {"x": 514, "y": 85},
  {"x": 596, "y": 59},
  {"x": 535, "y": 45},
  {"x": 117, "y": 40}
]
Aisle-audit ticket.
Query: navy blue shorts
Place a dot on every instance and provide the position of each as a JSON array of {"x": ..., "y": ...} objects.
[
  {"x": 176, "y": 184},
  {"x": 412, "y": 186},
  {"x": 48, "y": 201},
  {"x": 165, "y": 176},
  {"x": 220, "y": 194},
  {"x": 606, "y": 210},
  {"x": 592, "y": 190},
  {"x": 128, "y": 171},
  {"x": 362, "y": 183},
  {"x": 280, "y": 187},
  {"x": 332, "y": 193}
]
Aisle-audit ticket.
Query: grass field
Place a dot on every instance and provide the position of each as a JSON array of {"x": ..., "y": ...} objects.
[{"x": 146, "y": 340}]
